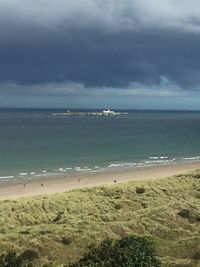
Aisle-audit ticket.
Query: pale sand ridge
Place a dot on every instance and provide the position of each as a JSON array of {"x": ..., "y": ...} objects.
[{"x": 52, "y": 185}]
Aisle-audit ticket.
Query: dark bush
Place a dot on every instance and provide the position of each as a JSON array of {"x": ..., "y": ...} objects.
[
  {"x": 58, "y": 217},
  {"x": 45, "y": 232},
  {"x": 11, "y": 259},
  {"x": 185, "y": 213},
  {"x": 196, "y": 255},
  {"x": 48, "y": 264},
  {"x": 197, "y": 175},
  {"x": 164, "y": 191},
  {"x": 140, "y": 190},
  {"x": 118, "y": 206},
  {"x": 198, "y": 218},
  {"x": 144, "y": 205},
  {"x": 66, "y": 241},
  {"x": 29, "y": 255},
  {"x": 127, "y": 252},
  {"x": 26, "y": 232}
]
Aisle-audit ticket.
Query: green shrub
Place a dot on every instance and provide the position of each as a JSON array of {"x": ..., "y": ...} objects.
[
  {"x": 11, "y": 259},
  {"x": 127, "y": 252},
  {"x": 29, "y": 255}
]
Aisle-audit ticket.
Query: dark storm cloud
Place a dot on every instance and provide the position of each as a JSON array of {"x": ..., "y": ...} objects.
[
  {"x": 96, "y": 58},
  {"x": 91, "y": 45}
]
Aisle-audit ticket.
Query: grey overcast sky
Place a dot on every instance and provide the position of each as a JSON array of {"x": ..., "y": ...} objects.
[{"x": 100, "y": 53}]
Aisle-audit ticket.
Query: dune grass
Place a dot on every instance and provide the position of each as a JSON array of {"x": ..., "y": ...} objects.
[{"x": 63, "y": 227}]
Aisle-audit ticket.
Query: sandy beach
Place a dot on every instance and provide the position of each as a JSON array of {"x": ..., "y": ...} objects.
[{"x": 58, "y": 184}]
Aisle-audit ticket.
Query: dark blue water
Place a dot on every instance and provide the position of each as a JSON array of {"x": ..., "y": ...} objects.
[{"x": 34, "y": 142}]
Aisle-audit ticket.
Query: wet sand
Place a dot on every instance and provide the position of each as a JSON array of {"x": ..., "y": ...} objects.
[{"x": 58, "y": 184}]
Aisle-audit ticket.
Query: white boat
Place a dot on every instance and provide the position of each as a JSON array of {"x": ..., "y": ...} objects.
[{"x": 108, "y": 112}]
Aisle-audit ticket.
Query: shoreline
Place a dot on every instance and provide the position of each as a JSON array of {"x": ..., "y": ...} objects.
[{"x": 59, "y": 184}]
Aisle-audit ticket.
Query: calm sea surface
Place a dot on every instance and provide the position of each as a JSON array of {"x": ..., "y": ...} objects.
[{"x": 34, "y": 142}]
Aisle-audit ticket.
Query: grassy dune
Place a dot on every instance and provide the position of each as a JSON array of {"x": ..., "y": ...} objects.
[{"x": 63, "y": 227}]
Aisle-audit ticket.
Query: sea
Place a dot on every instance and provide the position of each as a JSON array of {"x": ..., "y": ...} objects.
[{"x": 35, "y": 143}]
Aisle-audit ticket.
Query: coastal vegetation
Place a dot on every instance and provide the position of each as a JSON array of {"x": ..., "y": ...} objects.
[
  {"x": 62, "y": 229},
  {"x": 126, "y": 252}
]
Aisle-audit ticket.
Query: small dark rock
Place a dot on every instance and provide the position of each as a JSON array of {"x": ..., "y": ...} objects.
[{"x": 45, "y": 232}]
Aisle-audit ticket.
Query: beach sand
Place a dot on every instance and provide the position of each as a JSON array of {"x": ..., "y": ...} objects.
[{"x": 57, "y": 184}]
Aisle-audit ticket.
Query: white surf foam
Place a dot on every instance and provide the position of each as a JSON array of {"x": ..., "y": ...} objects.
[
  {"x": 62, "y": 170},
  {"x": 158, "y": 157},
  {"x": 192, "y": 158},
  {"x": 7, "y": 177},
  {"x": 79, "y": 169},
  {"x": 23, "y": 173}
]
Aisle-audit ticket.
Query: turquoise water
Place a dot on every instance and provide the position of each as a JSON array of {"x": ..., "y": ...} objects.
[{"x": 34, "y": 142}]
